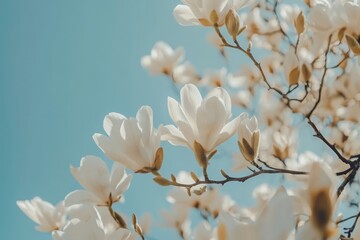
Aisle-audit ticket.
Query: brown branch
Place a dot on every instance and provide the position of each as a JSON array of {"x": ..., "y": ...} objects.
[
  {"x": 322, "y": 79},
  {"x": 351, "y": 229},
  {"x": 319, "y": 135},
  {"x": 238, "y": 179}
]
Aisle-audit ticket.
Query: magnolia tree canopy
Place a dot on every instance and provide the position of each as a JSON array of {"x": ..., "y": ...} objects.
[{"x": 302, "y": 68}]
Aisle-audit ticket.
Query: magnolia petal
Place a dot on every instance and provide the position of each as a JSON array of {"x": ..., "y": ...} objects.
[
  {"x": 210, "y": 120},
  {"x": 280, "y": 206},
  {"x": 107, "y": 146},
  {"x": 190, "y": 102},
  {"x": 228, "y": 130},
  {"x": 93, "y": 175},
  {"x": 112, "y": 123},
  {"x": 224, "y": 96},
  {"x": 184, "y": 16},
  {"x": 123, "y": 186},
  {"x": 175, "y": 110},
  {"x": 145, "y": 119},
  {"x": 173, "y": 135},
  {"x": 82, "y": 197},
  {"x": 187, "y": 131}
]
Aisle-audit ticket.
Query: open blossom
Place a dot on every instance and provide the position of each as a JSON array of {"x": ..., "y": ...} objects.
[
  {"x": 132, "y": 142},
  {"x": 249, "y": 138},
  {"x": 102, "y": 187},
  {"x": 205, "y": 12},
  {"x": 163, "y": 59},
  {"x": 206, "y": 121},
  {"x": 49, "y": 217}
]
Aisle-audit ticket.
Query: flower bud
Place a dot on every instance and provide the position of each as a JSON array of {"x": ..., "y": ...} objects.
[
  {"x": 232, "y": 23},
  {"x": 353, "y": 44},
  {"x": 300, "y": 23}
]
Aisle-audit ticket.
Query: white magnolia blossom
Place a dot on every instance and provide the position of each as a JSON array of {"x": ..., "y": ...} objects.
[
  {"x": 48, "y": 217},
  {"x": 206, "y": 121},
  {"x": 102, "y": 187},
  {"x": 163, "y": 59},
  {"x": 132, "y": 142},
  {"x": 320, "y": 197},
  {"x": 205, "y": 12}
]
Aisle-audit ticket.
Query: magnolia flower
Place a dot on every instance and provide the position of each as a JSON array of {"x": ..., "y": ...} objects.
[
  {"x": 163, "y": 59},
  {"x": 205, "y": 12},
  {"x": 102, "y": 187},
  {"x": 49, "y": 217},
  {"x": 132, "y": 142},
  {"x": 249, "y": 138},
  {"x": 204, "y": 121},
  {"x": 214, "y": 78},
  {"x": 185, "y": 73},
  {"x": 321, "y": 199}
]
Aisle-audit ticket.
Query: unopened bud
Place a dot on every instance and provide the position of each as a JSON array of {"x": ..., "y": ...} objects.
[
  {"x": 353, "y": 44},
  {"x": 294, "y": 76},
  {"x": 300, "y": 23},
  {"x": 159, "y": 156},
  {"x": 232, "y": 23},
  {"x": 162, "y": 181}
]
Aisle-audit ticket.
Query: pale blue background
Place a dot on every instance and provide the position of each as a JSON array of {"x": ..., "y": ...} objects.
[{"x": 65, "y": 64}]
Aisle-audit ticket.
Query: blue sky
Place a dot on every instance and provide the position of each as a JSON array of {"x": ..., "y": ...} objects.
[{"x": 64, "y": 65}]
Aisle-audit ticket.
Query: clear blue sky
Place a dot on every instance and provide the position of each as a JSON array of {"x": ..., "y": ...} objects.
[{"x": 64, "y": 65}]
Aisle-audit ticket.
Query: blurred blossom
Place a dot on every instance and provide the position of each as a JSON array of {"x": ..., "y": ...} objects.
[
  {"x": 214, "y": 78},
  {"x": 204, "y": 231},
  {"x": 132, "y": 142},
  {"x": 279, "y": 207},
  {"x": 163, "y": 59},
  {"x": 177, "y": 218},
  {"x": 102, "y": 187},
  {"x": 186, "y": 73},
  {"x": 321, "y": 199},
  {"x": 48, "y": 217}
]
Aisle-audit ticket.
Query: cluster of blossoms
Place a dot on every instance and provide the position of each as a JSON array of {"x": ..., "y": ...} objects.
[{"x": 306, "y": 78}]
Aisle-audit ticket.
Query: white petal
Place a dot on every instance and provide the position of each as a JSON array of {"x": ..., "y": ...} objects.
[
  {"x": 190, "y": 102},
  {"x": 210, "y": 120},
  {"x": 184, "y": 16}
]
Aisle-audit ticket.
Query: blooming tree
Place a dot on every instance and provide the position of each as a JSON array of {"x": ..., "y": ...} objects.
[{"x": 302, "y": 68}]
